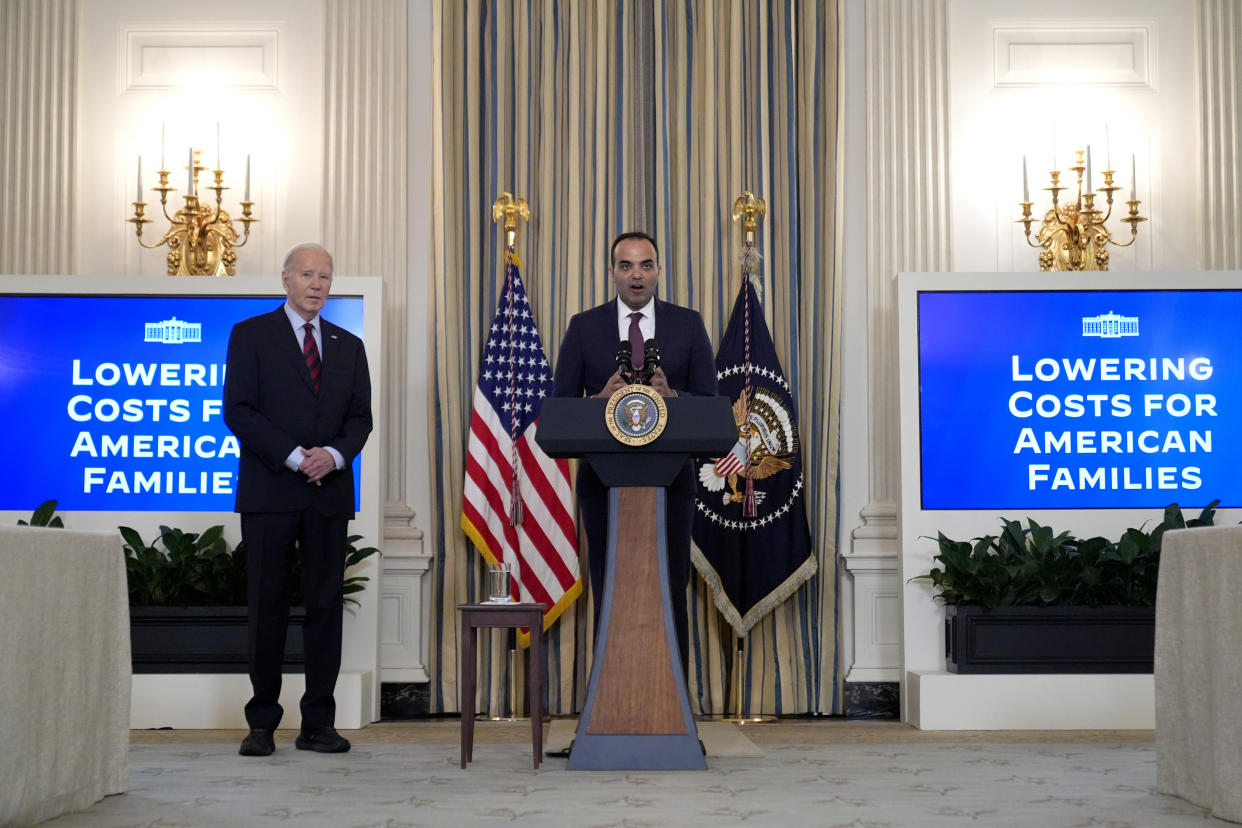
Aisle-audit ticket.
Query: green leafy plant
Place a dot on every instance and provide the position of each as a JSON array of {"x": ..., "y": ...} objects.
[
  {"x": 184, "y": 569},
  {"x": 1034, "y": 566},
  {"x": 354, "y": 555},
  {"x": 44, "y": 515}
]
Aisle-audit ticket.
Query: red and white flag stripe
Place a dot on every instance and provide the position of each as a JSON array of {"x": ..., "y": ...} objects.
[{"x": 543, "y": 548}]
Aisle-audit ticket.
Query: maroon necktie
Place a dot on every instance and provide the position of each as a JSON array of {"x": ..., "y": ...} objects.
[
  {"x": 311, "y": 352},
  {"x": 636, "y": 340}
]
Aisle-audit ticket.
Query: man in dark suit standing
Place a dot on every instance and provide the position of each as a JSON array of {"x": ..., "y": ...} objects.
[
  {"x": 586, "y": 365},
  {"x": 298, "y": 396}
]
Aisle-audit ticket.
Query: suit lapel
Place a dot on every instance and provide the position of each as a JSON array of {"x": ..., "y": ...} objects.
[
  {"x": 667, "y": 332},
  {"x": 288, "y": 343},
  {"x": 333, "y": 343},
  {"x": 673, "y": 347}
]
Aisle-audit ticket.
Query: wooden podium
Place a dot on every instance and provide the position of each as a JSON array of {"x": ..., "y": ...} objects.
[{"x": 637, "y": 714}]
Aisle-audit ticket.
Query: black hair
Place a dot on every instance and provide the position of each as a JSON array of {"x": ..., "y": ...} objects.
[{"x": 633, "y": 234}]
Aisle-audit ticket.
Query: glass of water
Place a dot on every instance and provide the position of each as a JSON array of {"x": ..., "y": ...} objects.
[{"x": 499, "y": 583}]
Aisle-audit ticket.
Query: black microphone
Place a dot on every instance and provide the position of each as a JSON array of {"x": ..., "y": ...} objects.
[
  {"x": 651, "y": 360},
  {"x": 625, "y": 354}
]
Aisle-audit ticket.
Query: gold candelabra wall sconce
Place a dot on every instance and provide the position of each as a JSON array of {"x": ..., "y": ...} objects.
[
  {"x": 201, "y": 237},
  {"x": 1073, "y": 236}
]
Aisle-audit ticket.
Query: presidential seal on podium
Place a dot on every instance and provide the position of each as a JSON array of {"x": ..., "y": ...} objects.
[{"x": 636, "y": 415}]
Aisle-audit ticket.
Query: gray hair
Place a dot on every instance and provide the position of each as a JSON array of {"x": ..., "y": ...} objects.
[{"x": 295, "y": 250}]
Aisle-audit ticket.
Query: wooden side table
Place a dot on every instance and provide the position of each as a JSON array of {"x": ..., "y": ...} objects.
[{"x": 474, "y": 616}]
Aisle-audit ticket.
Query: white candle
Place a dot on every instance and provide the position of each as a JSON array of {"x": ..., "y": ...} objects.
[
  {"x": 1108, "y": 149},
  {"x": 1088, "y": 168},
  {"x": 189, "y": 178},
  {"x": 1054, "y": 146},
  {"x": 1026, "y": 194},
  {"x": 139, "y": 196},
  {"x": 247, "y": 177},
  {"x": 163, "y": 166},
  {"x": 217, "y": 145},
  {"x": 1133, "y": 179}
]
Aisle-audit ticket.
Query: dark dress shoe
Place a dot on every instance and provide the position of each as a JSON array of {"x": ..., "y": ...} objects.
[
  {"x": 258, "y": 742},
  {"x": 321, "y": 740}
]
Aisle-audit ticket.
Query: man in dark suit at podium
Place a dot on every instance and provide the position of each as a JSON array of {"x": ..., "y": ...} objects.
[
  {"x": 586, "y": 365},
  {"x": 298, "y": 396}
]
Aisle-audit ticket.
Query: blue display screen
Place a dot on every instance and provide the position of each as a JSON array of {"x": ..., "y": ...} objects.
[
  {"x": 1080, "y": 399},
  {"x": 113, "y": 403}
]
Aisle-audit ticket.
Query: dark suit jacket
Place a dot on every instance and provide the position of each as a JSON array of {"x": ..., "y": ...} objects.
[
  {"x": 272, "y": 407},
  {"x": 587, "y": 357}
]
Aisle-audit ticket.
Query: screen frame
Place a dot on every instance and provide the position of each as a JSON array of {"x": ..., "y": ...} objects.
[
  {"x": 361, "y": 635},
  {"x": 369, "y": 289},
  {"x": 935, "y": 385},
  {"x": 923, "y": 617}
]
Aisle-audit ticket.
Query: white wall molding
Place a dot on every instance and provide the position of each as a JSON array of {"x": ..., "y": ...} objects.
[
  {"x": 219, "y": 57},
  {"x": 1079, "y": 52},
  {"x": 38, "y": 111},
  {"x": 1087, "y": 701},
  {"x": 1219, "y": 36},
  {"x": 907, "y": 229},
  {"x": 907, "y": 172},
  {"x": 404, "y": 604},
  {"x": 365, "y": 224},
  {"x": 217, "y": 701},
  {"x": 871, "y": 633}
]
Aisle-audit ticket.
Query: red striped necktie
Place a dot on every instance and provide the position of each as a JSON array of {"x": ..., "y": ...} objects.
[
  {"x": 311, "y": 352},
  {"x": 637, "y": 344}
]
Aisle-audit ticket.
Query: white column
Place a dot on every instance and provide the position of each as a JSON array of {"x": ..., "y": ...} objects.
[
  {"x": 1220, "y": 105},
  {"x": 366, "y": 223},
  {"x": 907, "y": 229},
  {"x": 38, "y": 67}
]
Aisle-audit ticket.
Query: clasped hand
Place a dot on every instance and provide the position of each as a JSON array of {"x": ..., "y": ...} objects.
[{"x": 317, "y": 463}]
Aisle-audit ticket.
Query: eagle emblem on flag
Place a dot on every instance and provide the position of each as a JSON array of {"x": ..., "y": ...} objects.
[{"x": 767, "y": 442}]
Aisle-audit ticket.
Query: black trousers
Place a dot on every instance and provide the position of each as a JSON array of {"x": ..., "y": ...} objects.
[
  {"x": 269, "y": 539},
  {"x": 679, "y": 521}
]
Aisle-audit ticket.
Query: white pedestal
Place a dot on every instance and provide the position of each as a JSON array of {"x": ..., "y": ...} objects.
[
  {"x": 215, "y": 701},
  {"x": 948, "y": 701}
]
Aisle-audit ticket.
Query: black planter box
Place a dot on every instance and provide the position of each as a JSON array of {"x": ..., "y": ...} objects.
[
  {"x": 200, "y": 639},
  {"x": 1069, "y": 639}
]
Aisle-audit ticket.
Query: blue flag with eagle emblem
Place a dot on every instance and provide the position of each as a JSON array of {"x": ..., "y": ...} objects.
[{"x": 750, "y": 528}]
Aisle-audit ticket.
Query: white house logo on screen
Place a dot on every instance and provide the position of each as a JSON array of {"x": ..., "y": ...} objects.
[
  {"x": 174, "y": 331},
  {"x": 1110, "y": 325}
]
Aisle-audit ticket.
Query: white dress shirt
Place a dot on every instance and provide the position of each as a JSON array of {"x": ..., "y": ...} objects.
[{"x": 646, "y": 324}]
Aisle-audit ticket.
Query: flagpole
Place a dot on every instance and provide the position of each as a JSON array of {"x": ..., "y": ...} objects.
[
  {"x": 508, "y": 210},
  {"x": 750, "y": 209}
]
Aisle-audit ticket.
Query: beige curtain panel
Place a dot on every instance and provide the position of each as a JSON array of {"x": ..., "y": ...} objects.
[{"x": 647, "y": 115}]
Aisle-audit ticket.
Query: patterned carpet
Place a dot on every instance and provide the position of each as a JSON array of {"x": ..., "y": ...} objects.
[{"x": 811, "y": 773}]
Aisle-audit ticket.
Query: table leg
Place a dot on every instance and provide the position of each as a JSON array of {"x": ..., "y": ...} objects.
[
  {"x": 534, "y": 684},
  {"x": 467, "y": 689}
]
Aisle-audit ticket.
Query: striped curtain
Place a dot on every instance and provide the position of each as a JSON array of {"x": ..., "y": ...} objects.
[{"x": 639, "y": 115}]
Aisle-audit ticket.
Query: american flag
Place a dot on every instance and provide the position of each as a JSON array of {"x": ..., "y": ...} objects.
[{"x": 518, "y": 505}]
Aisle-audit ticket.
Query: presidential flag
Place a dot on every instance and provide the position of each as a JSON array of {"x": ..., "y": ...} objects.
[
  {"x": 518, "y": 505},
  {"x": 754, "y": 544}
]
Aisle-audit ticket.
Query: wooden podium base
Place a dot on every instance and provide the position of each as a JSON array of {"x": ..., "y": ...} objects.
[{"x": 637, "y": 714}]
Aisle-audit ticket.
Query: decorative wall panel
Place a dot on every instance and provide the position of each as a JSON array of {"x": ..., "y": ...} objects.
[
  {"x": 1079, "y": 52},
  {"x": 234, "y": 58}
]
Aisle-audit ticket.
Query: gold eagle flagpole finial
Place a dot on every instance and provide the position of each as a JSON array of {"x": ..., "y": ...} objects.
[
  {"x": 510, "y": 209},
  {"x": 750, "y": 209}
]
